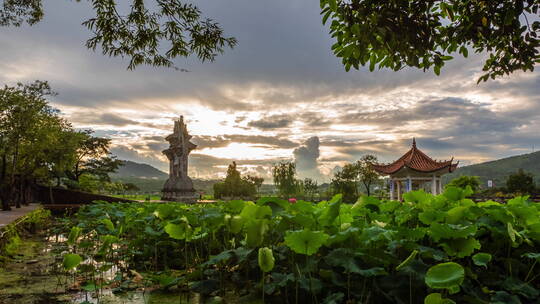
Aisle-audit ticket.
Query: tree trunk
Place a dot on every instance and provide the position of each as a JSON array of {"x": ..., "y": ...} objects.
[
  {"x": 3, "y": 184},
  {"x": 367, "y": 188},
  {"x": 12, "y": 185}
]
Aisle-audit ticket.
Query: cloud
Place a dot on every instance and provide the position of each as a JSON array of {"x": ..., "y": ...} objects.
[
  {"x": 279, "y": 86},
  {"x": 204, "y": 141},
  {"x": 109, "y": 119},
  {"x": 129, "y": 153},
  {"x": 272, "y": 122},
  {"x": 306, "y": 159}
]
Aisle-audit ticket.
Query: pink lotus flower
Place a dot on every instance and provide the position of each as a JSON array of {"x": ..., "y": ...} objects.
[{"x": 292, "y": 200}]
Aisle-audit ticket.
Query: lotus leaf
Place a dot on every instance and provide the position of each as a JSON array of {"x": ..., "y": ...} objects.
[
  {"x": 177, "y": 231},
  {"x": 255, "y": 231},
  {"x": 436, "y": 298},
  {"x": 305, "y": 241},
  {"x": 481, "y": 259},
  {"x": 445, "y": 276},
  {"x": 71, "y": 261}
]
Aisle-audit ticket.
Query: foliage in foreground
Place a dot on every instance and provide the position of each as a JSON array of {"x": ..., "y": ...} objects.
[
  {"x": 437, "y": 249},
  {"x": 152, "y": 33},
  {"x": 416, "y": 33}
]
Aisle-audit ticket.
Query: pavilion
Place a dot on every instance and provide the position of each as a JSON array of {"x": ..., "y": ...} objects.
[{"x": 415, "y": 170}]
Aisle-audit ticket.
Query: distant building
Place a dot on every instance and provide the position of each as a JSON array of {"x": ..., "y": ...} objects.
[{"x": 414, "y": 170}]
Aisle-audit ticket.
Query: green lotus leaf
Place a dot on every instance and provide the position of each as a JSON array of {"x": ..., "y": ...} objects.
[
  {"x": 234, "y": 223},
  {"x": 74, "y": 235},
  {"x": 223, "y": 256},
  {"x": 252, "y": 211},
  {"x": 436, "y": 298},
  {"x": 331, "y": 212},
  {"x": 417, "y": 197},
  {"x": 164, "y": 211},
  {"x": 430, "y": 216},
  {"x": 448, "y": 231},
  {"x": 71, "y": 261},
  {"x": 106, "y": 243},
  {"x": 266, "y": 259},
  {"x": 445, "y": 276},
  {"x": 461, "y": 247},
  {"x": 371, "y": 272},
  {"x": 343, "y": 257},
  {"x": 481, "y": 259},
  {"x": 235, "y": 206},
  {"x": 255, "y": 231},
  {"x": 302, "y": 207},
  {"x": 453, "y": 194},
  {"x": 177, "y": 231},
  {"x": 456, "y": 214},
  {"x": 305, "y": 241},
  {"x": 108, "y": 224},
  {"x": 532, "y": 255}
]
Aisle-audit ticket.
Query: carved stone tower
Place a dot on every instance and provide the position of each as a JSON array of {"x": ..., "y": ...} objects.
[{"x": 179, "y": 187}]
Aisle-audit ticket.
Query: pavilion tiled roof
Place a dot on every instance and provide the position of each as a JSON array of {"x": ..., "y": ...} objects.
[{"x": 415, "y": 160}]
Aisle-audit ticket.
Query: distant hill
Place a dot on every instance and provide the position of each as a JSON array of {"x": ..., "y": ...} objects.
[
  {"x": 150, "y": 180},
  {"x": 132, "y": 169},
  {"x": 499, "y": 170}
]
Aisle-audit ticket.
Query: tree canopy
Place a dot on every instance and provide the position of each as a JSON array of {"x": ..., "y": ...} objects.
[
  {"x": 423, "y": 34},
  {"x": 520, "y": 182},
  {"x": 235, "y": 185},
  {"x": 38, "y": 145},
  {"x": 464, "y": 181},
  {"x": 284, "y": 175},
  {"x": 148, "y": 32}
]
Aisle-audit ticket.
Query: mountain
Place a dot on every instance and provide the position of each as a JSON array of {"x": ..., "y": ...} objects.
[
  {"x": 132, "y": 169},
  {"x": 150, "y": 180},
  {"x": 499, "y": 170}
]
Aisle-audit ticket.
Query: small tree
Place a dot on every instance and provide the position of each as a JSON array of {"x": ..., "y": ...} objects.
[
  {"x": 520, "y": 182},
  {"x": 310, "y": 188},
  {"x": 256, "y": 180},
  {"x": 234, "y": 185},
  {"x": 464, "y": 181},
  {"x": 366, "y": 174},
  {"x": 284, "y": 174},
  {"x": 345, "y": 182}
]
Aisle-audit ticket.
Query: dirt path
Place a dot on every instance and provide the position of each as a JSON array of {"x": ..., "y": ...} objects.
[{"x": 6, "y": 217}]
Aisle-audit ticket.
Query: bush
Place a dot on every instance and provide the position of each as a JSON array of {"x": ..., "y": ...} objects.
[{"x": 520, "y": 182}]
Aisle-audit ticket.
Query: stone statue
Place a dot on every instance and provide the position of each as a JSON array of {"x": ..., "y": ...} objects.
[{"x": 179, "y": 186}]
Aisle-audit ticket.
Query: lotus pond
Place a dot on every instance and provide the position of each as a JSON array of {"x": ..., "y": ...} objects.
[{"x": 427, "y": 249}]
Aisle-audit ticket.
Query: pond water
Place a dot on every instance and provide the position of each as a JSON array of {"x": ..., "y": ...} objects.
[{"x": 33, "y": 276}]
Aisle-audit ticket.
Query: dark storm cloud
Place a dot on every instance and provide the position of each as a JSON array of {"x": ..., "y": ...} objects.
[
  {"x": 204, "y": 141},
  {"x": 109, "y": 119},
  {"x": 277, "y": 63},
  {"x": 272, "y": 122}
]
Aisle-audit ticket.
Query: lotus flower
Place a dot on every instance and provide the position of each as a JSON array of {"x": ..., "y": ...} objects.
[{"x": 292, "y": 200}]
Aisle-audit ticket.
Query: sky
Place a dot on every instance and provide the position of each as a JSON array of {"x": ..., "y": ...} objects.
[{"x": 280, "y": 94}]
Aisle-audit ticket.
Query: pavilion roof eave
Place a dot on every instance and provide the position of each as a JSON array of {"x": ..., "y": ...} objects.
[{"x": 416, "y": 161}]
